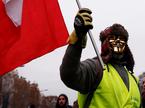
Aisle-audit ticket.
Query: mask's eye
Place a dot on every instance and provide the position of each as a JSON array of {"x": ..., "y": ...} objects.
[
  {"x": 122, "y": 38},
  {"x": 111, "y": 38}
]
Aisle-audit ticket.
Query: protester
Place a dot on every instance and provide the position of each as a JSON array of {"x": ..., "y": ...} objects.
[
  {"x": 62, "y": 101},
  {"x": 75, "y": 104},
  {"x": 113, "y": 86},
  {"x": 143, "y": 92}
]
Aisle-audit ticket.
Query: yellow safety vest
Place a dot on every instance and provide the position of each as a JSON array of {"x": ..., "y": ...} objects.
[{"x": 113, "y": 93}]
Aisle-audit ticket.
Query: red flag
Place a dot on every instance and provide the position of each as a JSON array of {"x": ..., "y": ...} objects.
[{"x": 41, "y": 31}]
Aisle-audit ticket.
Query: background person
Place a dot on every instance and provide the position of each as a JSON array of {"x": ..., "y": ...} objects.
[
  {"x": 143, "y": 93},
  {"x": 62, "y": 101}
]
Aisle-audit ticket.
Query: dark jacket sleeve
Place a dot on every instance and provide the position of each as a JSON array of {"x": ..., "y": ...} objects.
[{"x": 81, "y": 76}]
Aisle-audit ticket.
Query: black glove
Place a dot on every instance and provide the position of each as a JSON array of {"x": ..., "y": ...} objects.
[{"x": 82, "y": 24}]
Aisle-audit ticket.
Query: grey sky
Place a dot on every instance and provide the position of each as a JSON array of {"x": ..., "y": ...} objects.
[{"x": 129, "y": 13}]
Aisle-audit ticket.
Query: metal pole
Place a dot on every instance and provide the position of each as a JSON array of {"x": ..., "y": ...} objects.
[{"x": 93, "y": 41}]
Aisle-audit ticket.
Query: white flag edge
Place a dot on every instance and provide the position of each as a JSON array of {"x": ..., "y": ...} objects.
[{"x": 14, "y": 10}]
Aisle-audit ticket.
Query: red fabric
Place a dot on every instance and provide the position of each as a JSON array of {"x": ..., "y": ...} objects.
[{"x": 42, "y": 30}]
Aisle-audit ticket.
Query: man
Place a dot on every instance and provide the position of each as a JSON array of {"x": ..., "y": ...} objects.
[
  {"x": 62, "y": 101},
  {"x": 75, "y": 104},
  {"x": 143, "y": 93},
  {"x": 111, "y": 87}
]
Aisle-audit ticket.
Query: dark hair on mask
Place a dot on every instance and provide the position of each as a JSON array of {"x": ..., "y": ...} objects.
[
  {"x": 115, "y": 29},
  {"x": 106, "y": 52}
]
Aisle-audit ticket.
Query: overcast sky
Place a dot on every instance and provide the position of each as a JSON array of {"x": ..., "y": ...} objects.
[{"x": 129, "y": 13}]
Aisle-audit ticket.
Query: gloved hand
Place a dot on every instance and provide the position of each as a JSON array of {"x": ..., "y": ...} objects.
[{"x": 82, "y": 24}]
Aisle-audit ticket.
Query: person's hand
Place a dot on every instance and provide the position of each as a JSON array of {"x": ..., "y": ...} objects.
[{"x": 82, "y": 24}]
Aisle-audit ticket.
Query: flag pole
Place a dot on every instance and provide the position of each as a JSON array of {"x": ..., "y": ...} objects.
[{"x": 93, "y": 41}]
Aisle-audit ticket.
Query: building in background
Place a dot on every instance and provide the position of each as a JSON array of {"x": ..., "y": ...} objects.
[{"x": 16, "y": 92}]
